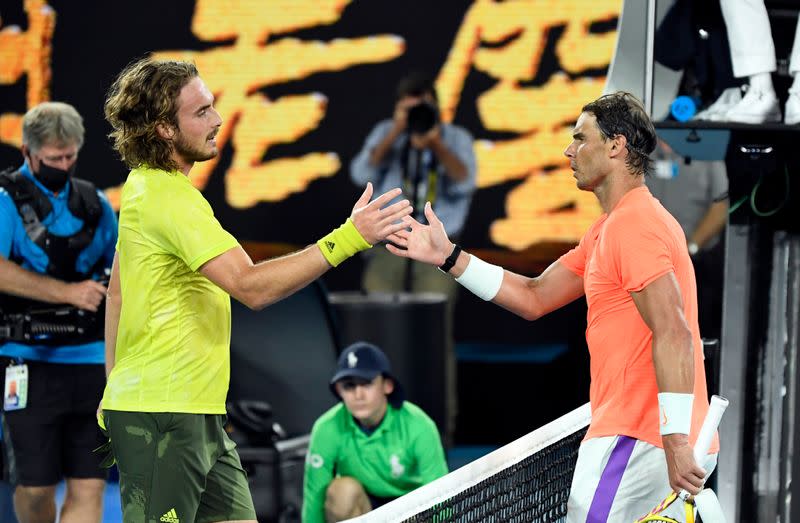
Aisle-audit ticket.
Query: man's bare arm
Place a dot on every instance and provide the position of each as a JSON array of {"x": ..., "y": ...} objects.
[
  {"x": 21, "y": 282},
  {"x": 259, "y": 285},
  {"x": 530, "y": 298},
  {"x": 399, "y": 122},
  {"x": 113, "y": 310},
  {"x": 661, "y": 306},
  {"x": 453, "y": 166},
  {"x": 712, "y": 223},
  {"x": 379, "y": 152}
]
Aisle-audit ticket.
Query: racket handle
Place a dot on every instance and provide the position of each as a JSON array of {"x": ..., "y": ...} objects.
[
  {"x": 715, "y": 411},
  {"x": 709, "y": 427}
]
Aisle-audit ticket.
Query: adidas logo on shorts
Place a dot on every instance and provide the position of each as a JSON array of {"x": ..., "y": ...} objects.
[{"x": 170, "y": 517}]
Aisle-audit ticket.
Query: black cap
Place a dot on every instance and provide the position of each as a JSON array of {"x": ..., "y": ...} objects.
[{"x": 366, "y": 361}]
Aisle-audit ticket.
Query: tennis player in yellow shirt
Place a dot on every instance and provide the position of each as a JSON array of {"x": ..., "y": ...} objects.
[{"x": 168, "y": 313}]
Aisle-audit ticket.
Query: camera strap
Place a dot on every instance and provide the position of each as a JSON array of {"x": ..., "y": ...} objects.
[{"x": 420, "y": 176}]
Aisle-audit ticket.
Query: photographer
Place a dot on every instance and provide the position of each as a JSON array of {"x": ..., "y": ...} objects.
[
  {"x": 57, "y": 237},
  {"x": 432, "y": 161}
]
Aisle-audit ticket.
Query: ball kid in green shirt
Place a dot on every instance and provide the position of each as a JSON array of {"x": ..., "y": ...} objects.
[{"x": 370, "y": 448}]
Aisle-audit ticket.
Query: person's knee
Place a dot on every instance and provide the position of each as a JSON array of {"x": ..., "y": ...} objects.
[
  {"x": 34, "y": 499},
  {"x": 345, "y": 498},
  {"x": 85, "y": 491}
]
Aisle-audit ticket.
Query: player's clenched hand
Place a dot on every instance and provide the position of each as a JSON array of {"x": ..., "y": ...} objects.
[
  {"x": 376, "y": 223},
  {"x": 684, "y": 472},
  {"x": 425, "y": 243}
]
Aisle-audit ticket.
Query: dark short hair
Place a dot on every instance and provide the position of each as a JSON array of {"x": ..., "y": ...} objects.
[
  {"x": 144, "y": 95},
  {"x": 621, "y": 113},
  {"x": 416, "y": 83}
]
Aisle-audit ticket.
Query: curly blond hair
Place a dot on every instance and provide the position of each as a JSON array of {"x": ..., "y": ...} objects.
[{"x": 144, "y": 95}]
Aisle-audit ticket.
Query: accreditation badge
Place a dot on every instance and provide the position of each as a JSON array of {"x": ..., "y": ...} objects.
[{"x": 15, "y": 392}]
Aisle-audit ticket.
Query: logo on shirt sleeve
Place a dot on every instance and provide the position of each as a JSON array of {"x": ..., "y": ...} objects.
[{"x": 315, "y": 461}]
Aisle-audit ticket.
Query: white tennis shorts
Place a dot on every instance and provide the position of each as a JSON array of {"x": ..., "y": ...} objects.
[{"x": 620, "y": 479}]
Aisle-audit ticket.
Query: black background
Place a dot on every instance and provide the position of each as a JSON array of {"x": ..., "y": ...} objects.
[{"x": 94, "y": 40}]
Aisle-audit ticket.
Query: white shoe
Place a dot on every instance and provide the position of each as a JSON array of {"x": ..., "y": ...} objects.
[
  {"x": 729, "y": 97},
  {"x": 792, "y": 109},
  {"x": 755, "y": 107}
]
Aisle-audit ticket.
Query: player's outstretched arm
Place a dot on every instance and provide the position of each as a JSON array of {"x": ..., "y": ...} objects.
[
  {"x": 529, "y": 298},
  {"x": 258, "y": 285}
]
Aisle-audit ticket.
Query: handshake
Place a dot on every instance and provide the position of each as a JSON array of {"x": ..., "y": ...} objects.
[
  {"x": 406, "y": 237},
  {"x": 375, "y": 221}
]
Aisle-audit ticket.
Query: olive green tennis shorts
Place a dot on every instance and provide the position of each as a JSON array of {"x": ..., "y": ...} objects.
[{"x": 177, "y": 468}]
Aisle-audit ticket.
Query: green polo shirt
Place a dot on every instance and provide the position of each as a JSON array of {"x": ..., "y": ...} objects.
[{"x": 403, "y": 453}]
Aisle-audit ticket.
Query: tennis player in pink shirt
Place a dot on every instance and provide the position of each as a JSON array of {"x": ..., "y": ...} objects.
[{"x": 648, "y": 387}]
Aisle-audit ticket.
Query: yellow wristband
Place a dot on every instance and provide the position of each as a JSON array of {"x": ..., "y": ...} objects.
[{"x": 341, "y": 243}]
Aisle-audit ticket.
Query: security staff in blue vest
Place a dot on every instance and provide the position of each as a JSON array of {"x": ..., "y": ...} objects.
[{"x": 57, "y": 239}]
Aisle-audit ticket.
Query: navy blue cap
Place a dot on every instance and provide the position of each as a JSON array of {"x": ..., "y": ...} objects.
[{"x": 366, "y": 361}]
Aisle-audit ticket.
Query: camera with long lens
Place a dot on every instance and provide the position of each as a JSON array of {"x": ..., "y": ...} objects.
[{"x": 422, "y": 118}]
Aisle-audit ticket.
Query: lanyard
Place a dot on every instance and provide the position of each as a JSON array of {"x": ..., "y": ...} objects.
[{"x": 420, "y": 176}]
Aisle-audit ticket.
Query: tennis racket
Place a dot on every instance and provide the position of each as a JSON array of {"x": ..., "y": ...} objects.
[{"x": 701, "y": 446}]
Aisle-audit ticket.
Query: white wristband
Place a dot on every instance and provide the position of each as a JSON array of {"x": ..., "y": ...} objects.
[
  {"x": 675, "y": 412},
  {"x": 481, "y": 278}
]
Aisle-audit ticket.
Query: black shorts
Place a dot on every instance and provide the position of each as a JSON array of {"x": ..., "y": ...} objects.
[
  {"x": 55, "y": 435},
  {"x": 376, "y": 501}
]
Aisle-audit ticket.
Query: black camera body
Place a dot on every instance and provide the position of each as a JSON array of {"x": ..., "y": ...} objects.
[
  {"x": 422, "y": 118},
  {"x": 55, "y": 326}
]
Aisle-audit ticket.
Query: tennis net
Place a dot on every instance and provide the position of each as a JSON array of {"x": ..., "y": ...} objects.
[{"x": 527, "y": 480}]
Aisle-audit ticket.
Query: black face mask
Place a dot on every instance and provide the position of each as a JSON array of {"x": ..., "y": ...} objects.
[{"x": 52, "y": 177}]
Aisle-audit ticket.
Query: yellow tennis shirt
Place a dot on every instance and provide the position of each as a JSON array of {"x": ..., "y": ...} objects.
[{"x": 173, "y": 342}]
